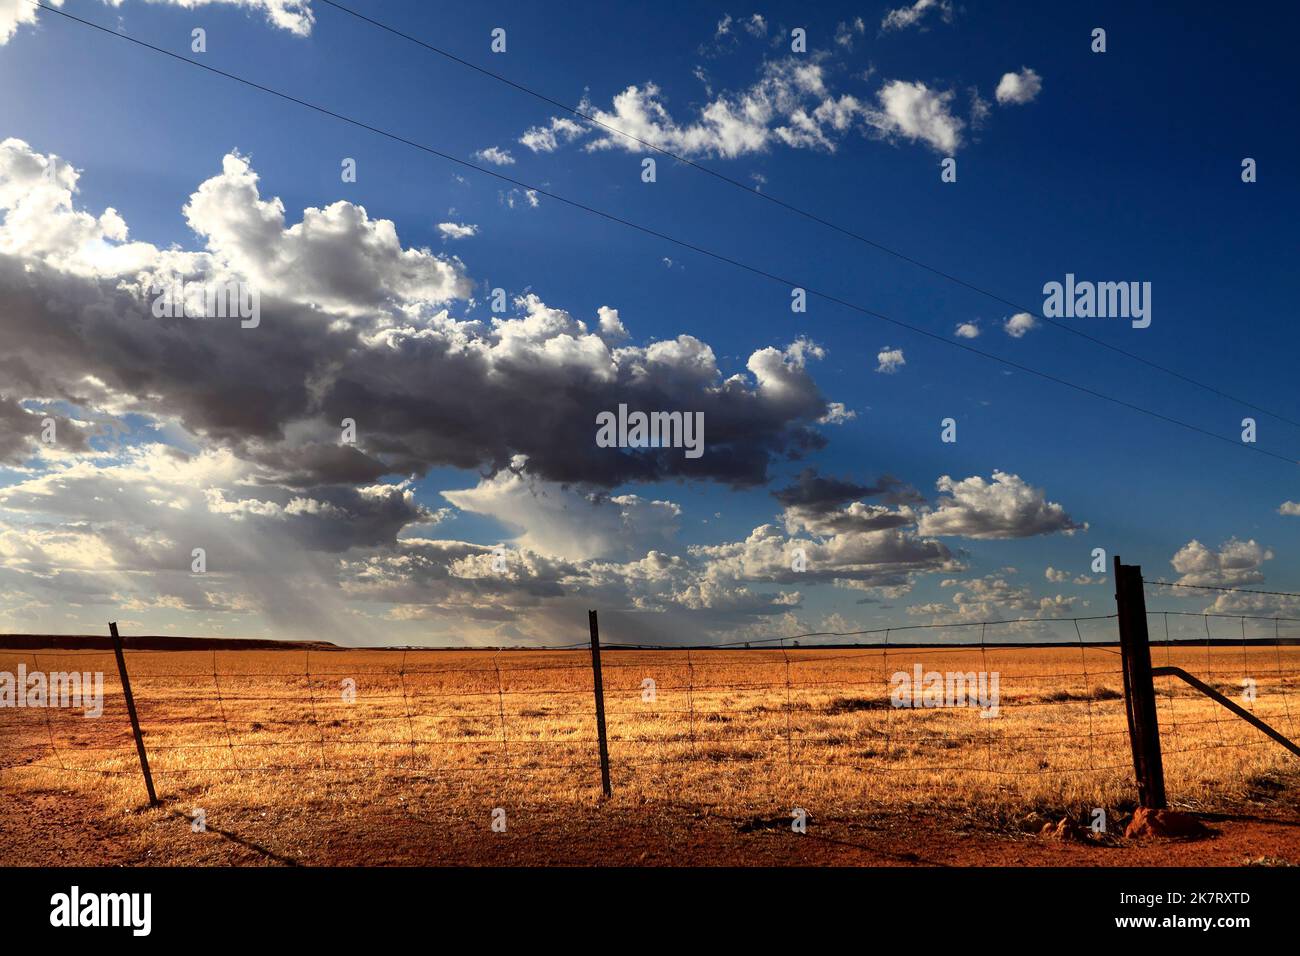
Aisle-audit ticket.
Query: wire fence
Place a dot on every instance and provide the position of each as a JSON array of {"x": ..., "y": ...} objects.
[
  {"x": 978, "y": 716},
  {"x": 1249, "y": 658}
]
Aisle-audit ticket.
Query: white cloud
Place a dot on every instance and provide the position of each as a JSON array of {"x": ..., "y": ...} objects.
[
  {"x": 294, "y": 16},
  {"x": 1006, "y": 507},
  {"x": 457, "y": 230},
  {"x": 1289, "y": 508},
  {"x": 885, "y": 557},
  {"x": 1018, "y": 88},
  {"x": 846, "y": 31},
  {"x": 519, "y": 197},
  {"x": 1236, "y": 563},
  {"x": 556, "y": 519},
  {"x": 97, "y": 535},
  {"x": 337, "y": 257},
  {"x": 994, "y": 597},
  {"x": 1019, "y": 325},
  {"x": 789, "y": 104},
  {"x": 837, "y": 414},
  {"x": 496, "y": 156},
  {"x": 967, "y": 330},
  {"x": 560, "y": 130},
  {"x": 36, "y": 196},
  {"x": 904, "y": 17},
  {"x": 14, "y": 13},
  {"x": 915, "y": 112},
  {"x": 889, "y": 360},
  {"x": 352, "y": 327}
]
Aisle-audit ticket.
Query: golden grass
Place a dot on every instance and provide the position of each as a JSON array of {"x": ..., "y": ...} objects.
[{"x": 735, "y": 732}]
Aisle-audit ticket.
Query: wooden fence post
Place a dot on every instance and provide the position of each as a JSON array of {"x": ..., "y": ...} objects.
[
  {"x": 130, "y": 709},
  {"x": 599, "y": 685},
  {"x": 1139, "y": 687}
]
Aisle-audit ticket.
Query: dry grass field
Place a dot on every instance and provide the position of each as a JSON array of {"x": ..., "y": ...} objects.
[{"x": 287, "y": 766}]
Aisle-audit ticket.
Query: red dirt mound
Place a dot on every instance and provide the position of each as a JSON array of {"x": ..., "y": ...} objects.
[{"x": 1165, "y": 823}]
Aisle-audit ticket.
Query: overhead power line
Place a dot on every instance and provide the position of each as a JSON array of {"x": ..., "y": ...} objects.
[
  {"x": 797, "y": 210},
  {"x": 682, "y": 243}
]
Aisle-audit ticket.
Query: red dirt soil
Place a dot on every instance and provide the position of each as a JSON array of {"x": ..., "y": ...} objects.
[{"x": 57, "y": 827}]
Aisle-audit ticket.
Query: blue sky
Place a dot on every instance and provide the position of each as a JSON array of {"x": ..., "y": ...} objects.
[{"x": 1123, "y": 165}]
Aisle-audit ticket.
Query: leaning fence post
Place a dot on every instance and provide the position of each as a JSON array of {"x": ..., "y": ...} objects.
[
  {"x": 599, "y": 685},
  {"x": 130, "y": 709},
  {"x": 1139, "y": 687}
]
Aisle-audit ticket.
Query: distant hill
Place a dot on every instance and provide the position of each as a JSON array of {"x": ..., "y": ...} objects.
[{"x": 157, "y": 643}]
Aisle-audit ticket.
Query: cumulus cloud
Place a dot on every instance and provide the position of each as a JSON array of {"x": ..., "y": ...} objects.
[
  {"x": 121, "y": 533},
  {"x": 728, "y": 587},
  {"x": 1289, "y": 508},
  {"x": 354, "y": 325},
  {"x": 1255, "y": 605},
  {"x": 295, "y": 16},
  {"x": 993, "y": 597},
  {"x": 1018, "y": 88},
  {"x": 889, "y": 360},
  {"x": 791, "y": 104},
  {"x": 332, "y": 561},
  {"x": 878, "y": 557},
  {"x": 827, "y": 505},
  {"x": 781, "y": 107},
  {"x": 14, "y": 13},
  {"x": 818, "y": 493},
  {"x": 337, "y": 258},
  {"x": 915, "y": 15},
  {"x": 1236, "y": 563},
  {"x": 22, "y": 431},
  {"x": 913, "y": 111},
  {"x": 837, "y": 413},
  {"x": 40, "y": 221},
  {"x": 495, "y": 155},
  {"x": 967, "y": 330},
  {"x": 549, "y": 138},
  {"x": 1019, "y": 325},
  {"x": 1006, "y": 507},
  {"x": 457, "y": 230},
  {"x": 235, "y": 442}
]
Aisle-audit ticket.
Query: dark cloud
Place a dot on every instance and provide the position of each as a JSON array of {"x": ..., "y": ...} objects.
[
  {"x": 21, "y": 432},
  {"x": 448, "y": 394},
  {"x": 814, "y": 494}
]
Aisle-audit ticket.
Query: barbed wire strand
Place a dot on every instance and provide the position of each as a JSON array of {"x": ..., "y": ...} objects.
[
  {"x": 889, "y": 711},
  {"x": 1087, "y": 690},
  {"x": 401, "y": 672},
  {"x": 1216, "y": 587},
  {"x": 49, "y": 721},
  {"x": 221, "y": 705},
  {"x": 1281, "y": 680},
  {"x": 789, "y": 707},
  {"x": 315, "y": 719},
  {"x": 501, "y": 709},
  {"x": 1169, "y": 685}
]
